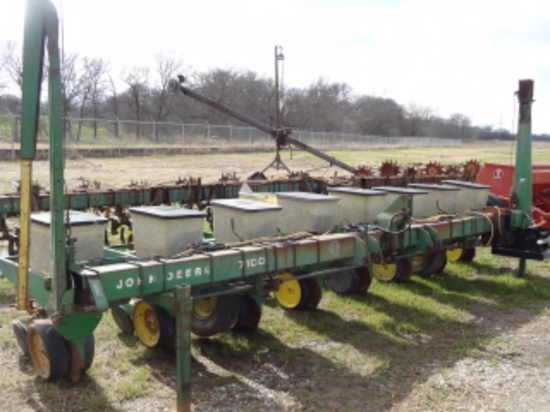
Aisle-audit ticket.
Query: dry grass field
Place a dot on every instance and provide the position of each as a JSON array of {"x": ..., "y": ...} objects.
[
  {"x": 166, "y": 169},
  {"x": 475, "y": 338}
]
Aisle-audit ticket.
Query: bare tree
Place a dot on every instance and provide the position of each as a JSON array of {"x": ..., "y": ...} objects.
[
  {"x": 12, "y": 64},
  {"x": 113, "y": 103},
  {"x": 218, "y": 85},
  {"x": 254, "y": 96},
  {"x": 460, "y": 126},
  {"x": 93, "y": 90},
  {"x": 323, "y": 106},
  {"x": 137, "y": 80},
  {"x": 378, "y": 116},
  {"x": 168, "y": 66},
  {"x": 73, "y": 83},
  {"x": 417, "y": 120}
]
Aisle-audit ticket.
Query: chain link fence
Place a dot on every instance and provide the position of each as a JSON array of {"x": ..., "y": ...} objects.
[{"x": 130, "y": 136}]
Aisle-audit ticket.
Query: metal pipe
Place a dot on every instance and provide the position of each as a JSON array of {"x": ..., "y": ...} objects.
[{"x": 281, "y": 135}]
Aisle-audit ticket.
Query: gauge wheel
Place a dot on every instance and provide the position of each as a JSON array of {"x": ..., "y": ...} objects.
[
  {"x": 344, "y": 282},
  {"x": 468, "y": 255},
  {"x": 153, "y": 325},
  {"x": 386, "y": 272},
  {"x": 249, "y": 316},
  {"x": 20, "y": 332},
  {"x": 292, "y": 294},
  {"x": 123, "y": 319},
  {"x": 48, "y": 351},
  {"x": 215, "y": 314}
]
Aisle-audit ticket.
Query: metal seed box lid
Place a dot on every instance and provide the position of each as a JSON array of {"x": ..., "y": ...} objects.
[
  {"x": 357, "y": 191},
  {"x": 433, "y": 186},
  {"x": 401, "y": 190},
  {"x": 466, "y": 184},
  {"x": 167, "y": 212},
  {"x": 307, "y": 197},
  {"x": 75, "y": 218},
  {"x": 246, "y": 205}
]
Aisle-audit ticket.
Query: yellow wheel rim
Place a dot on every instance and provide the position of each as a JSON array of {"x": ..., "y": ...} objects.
[
  {"x": 146, "y": 324},
  {"x": 454, "y": 254},
  {"x": 204, "y": 308},
  {"x": 384, "y": 271},
  {"x": 289, "y": 293},
  {"x": 38, "y": 353},
  {"x": 419, "y": 261}
]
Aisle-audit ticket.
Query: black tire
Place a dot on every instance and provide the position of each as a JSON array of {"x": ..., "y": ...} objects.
[
  {"x": 89, "y": 348},
  {"x": 296, "y": 285},
  {"x": 154, "y": 326},
  {"x": 123, "y": 320},
  {"x": 20, "y": 332},
  {"x": 434, "y": 262},
  {"x": 405, "y": 271},
  {"x": 249, "y": 316},
  {"x": 343, "y": 283},
  {"x": 468, "y": 255},
  {"x": 365, "y": 279},
  {"x": 441, "y": 261},
  {"x": 45, "y": 341},
  {"x": 315, "y": 294},
  {"x": 221, "y": 319}
]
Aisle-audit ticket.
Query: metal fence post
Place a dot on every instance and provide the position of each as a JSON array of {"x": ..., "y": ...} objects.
[{"x": 182, "y": 136}]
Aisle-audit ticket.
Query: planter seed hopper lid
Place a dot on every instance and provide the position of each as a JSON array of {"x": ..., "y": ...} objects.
[{"x": 167, "y": 212}]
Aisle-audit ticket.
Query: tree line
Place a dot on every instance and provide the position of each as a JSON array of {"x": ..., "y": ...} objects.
[{"x": 92, "y": 90}]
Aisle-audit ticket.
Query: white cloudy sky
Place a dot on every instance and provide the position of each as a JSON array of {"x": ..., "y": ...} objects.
[{"x": 454, "y": 56}]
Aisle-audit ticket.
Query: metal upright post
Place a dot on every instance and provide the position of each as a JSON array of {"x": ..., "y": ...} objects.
[
  {"x": 33, "y": 59},
  {"x": 58, "y": 254},
  {"x": 522, "y": 192},
  {"x": 183, "y": 347}
]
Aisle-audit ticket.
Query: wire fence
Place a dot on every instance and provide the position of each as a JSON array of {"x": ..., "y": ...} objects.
[{"x": 120, "y": 135}]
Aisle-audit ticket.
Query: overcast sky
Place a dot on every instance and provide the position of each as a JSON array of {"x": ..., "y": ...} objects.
[{"x": 462, "y": 56}]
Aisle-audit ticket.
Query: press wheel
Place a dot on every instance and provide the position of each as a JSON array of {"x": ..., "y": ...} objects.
[
  {"x": 468, "y": 255},
  {"x": 405, "y": 270},
  {"x": 365, "y": 279},
  {"x": 344, "y": 282},
  {"x": 123, "y": 319},
  {"x": 429, "y": 263},
  {"x": 20, "y": 332},
  {"x": 249, "y": 316},
  {"x": 215, "y": 314}
]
